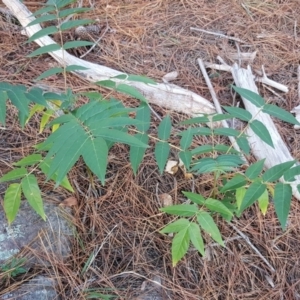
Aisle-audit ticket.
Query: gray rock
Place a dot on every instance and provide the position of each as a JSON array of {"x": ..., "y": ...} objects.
[
  {"x": 36, "y": 236},
  {"x": 38, "y": 288}
]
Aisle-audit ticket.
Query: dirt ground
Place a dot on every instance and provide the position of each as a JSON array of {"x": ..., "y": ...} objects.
[{"x": 152, "y": 38}]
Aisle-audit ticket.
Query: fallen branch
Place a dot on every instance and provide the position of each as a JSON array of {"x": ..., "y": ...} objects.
[{"x": 166, "y": 95}]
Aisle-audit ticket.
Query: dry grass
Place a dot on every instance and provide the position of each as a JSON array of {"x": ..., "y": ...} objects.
[{"x": 117, "y": 225}]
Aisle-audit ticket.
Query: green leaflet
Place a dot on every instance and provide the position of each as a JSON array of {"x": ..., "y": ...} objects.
[
  {"x": 237, "y": 181},
  {"x": 186, "y": 157},
  {"x": 180, "y": 245},
  {"x": 29, "y": 160},
  {"x": 254, "y": 98},
  {"x": 280, "y": 113},
  {"x": 14, "y": 174},
  {"x": 255, "y": 190},
  {"x": 263, "y": 202},
  {"x": 183, "y": 210},
  {"x": 164, "y": 128},
  {"x": 207, "y": 223},
  {"x": 239, "y": 113},
  {"x": 136, "y": 154},
  {"x": 196, "y": 238},
  {"x": 33, "y": 194},
  {"x": 12, "y": 200},
  {"x": 162, "y": 150},
  {"x": 255, "y": 169},
  {"x": 43, "y": 32},
  {"x": 277, "y": 171},
  {"x": 74, "y": 23},
  {"x": 282, "y": 202},
  {"x": 175, "y": 226},
  {"x": 186, "y": 138},
  {"x": 95, "y": 153},
  {"x": 262, "y": 132},
  {"x": 196, "y": 198}
]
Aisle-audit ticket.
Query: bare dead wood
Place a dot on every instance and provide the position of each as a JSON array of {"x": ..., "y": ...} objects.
[{"x": 165, "y": 95}]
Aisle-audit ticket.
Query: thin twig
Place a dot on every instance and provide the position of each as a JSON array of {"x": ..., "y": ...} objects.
[
  {"x": 247, "y": 240},
  {"x": 217, "y": 34}
]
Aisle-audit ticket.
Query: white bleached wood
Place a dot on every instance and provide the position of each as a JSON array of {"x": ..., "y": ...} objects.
[
  {"x": 166, "y": 95},
  {"x": 244, "y": 78}
]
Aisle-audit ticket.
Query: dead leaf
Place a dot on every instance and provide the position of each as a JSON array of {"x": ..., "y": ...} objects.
[
  {"x": 172, "y": 167},
  {"x": 170, "y": 76},
  {"x": 165, "y": 199},
  {"x": 69, "y": 202}
]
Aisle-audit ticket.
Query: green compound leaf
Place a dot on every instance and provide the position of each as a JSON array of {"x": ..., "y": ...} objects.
[
  {"x": 164, "y": 128},
  {"x": 75, "y": 44},
  {"x": 43, "y": 32},
  {"x": 280, "y": 113},
  {"x": 282, "y": 202},
  {"x": 255, "y": 190},
  {"x": 74, "y": 23},
  {"x": 183, "y": 210},
  {"x": 196, "y": 238},
  {"x": 29, "y": 160},
  {"x": 237, "y": 181},
  {"x": 12, "y": 200},
  {"x": 161, "y": 152},
  {"x": 196, "y": 198},
  {"x": 261, "y": 131},
  {"x": 175, "y": 226},
  {"x": 44, "y": 49},
  {"x": 32, "y": 193},
  {"x": 186, "y": 138},
  {"x": 239, "y": 113},
  {"x": 95, "y": 153},
  {"x": 277, "y": 171},
  {"x": 207, "y": 223},
  {"x": 136, "y": 154},
  {"x": 255, "y": 169},
  {"x": 254, "y": 98},
  {"x": 180, "y": 245},
  {"x": 263, "y": 202},
  {"x": 14, "y": 174}
]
